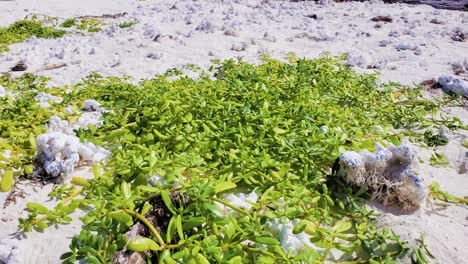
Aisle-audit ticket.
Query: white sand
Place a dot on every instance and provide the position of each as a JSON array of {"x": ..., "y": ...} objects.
[{"x": 195, "y": 32}]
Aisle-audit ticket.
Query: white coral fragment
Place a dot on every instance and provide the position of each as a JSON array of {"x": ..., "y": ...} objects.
[
  {"x": 240, "y": 200},
  {"x": 283, "y": 230},
  {"x": 60, "y": 151},
  {"x": 92, "y": 105},
  {"x": 388, "y": 173},
  {"x": 9, "y": 252},
  {"x": 44, "y": 98},
  {"x": 453, "y": 85},
  {"x": 2, "y": 91}
]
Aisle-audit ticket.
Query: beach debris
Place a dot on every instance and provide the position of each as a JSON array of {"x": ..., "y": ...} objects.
[
  {"x": 239, "y": 46},
  {"x": 388, "y": 173},
  {"x": 154, "y": 56},
  {"x": 355, "y": 59},
  {"x": 110, "y": 16},
  {"x": 206, "y": 26},
  {"x": 405, "y": 46},
  {"x": 269, "y": 37},
  {"x": 385, "y": 43},
  {"x": 460, "y": 67},
  {"x": 9, "y": 252},
  {"x": 453, "y": 85},
  {"x": 394, "y": 34},
  {"x": 436, "y": 21},
  {"x": 458, "y": 35},
  {"x": 151, "y": 32},
  {"x": 231, "y": 32},
  {"x": 385, "y": 19},
  {"x": 49, "y": 67},
  {"x": 20, "y": 66}
]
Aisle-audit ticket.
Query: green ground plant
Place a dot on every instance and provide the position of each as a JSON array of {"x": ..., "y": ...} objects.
[
  {"x": 438, "y": 159},
  {"x": 275, "y": 128},
  {"x": 127, "y": 24},
  {"x": 437, "y": 193},
  {"x": 90, "y": 25},
  {"x": 21, "y": 121},
  {"x": 87, "y": 24},
  {"x": 26, "y": 28},
  {"x": 70, "y": 22}
]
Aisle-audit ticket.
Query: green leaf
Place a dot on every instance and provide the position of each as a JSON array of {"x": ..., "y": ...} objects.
[
  {"x": 122, "y": 218},
  {"x": 141, "y": 244},
  {"x": 167, "y": 201},
  {"x": 300, "y": 227},
  {"x": 6, "y": 181},
  {"x": 37, "y": 208},
  {"x": 267, "y": 241},
  {"x": 201, "y": 259},
  {"x": 342, "y": 226},
  {"x": 179, "y": 227}
]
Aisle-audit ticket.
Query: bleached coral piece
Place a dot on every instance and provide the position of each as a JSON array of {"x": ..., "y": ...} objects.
[
  {"x": 289, "y": 241},
  {"x": 241, "y": 200},
  {"x": 60, "y": 150},
  {"x": 2, "y": 91},
  {"x": 388, "y": 173},
  {"x": 155, "y": 180},
  {"x": 92, "y": 105},
  {"x": 88, "y": 118},
  {"x": 9, "y": 252},
  {"x": 352, "y": 167},
  {"x": 60, "y": 153},
  {"x": 56, "y": 124},
  {"x": 453, "y": 85},
  {"x": 44, "y": 98}
]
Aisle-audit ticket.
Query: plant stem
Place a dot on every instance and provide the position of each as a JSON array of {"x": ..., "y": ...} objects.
[
  {"x": 148, "y": 224},
  {"x": 69, "y": 198}
]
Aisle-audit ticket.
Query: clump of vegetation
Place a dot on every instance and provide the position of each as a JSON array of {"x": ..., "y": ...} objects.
[
  {"x": 437, "y": 193},
  {"x": 90, "y": 25},
  {"x": 438, "y": 159},
  {"x": 85, "y": 24},
  {"x": 274, "y": 129},
  {"x": 70, "y": 22},
  {"x": 422, "y": 254},
  {"x": 127, "y": 24},
  {"x": 433, "y": 139},
  {"x": 26, "y": 28},
  {"x": 21, "y": 121}
]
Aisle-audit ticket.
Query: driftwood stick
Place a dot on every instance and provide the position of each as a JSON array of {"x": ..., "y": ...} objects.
[{"x": 117, "y": 15}]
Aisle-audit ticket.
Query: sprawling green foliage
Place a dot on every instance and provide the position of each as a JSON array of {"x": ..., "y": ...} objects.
[
  {"x": 86, "y": 24},
  {"x": 21, "y": 121},
  {"x": 127, "y": 24},
  {"x": 69, "y": 22},
  {"x": 26, "y": 28},
  {"x": 274, "y": 128}
]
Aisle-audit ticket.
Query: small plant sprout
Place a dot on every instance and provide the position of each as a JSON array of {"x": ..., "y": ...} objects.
[{"x": 127, "y": 24}]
